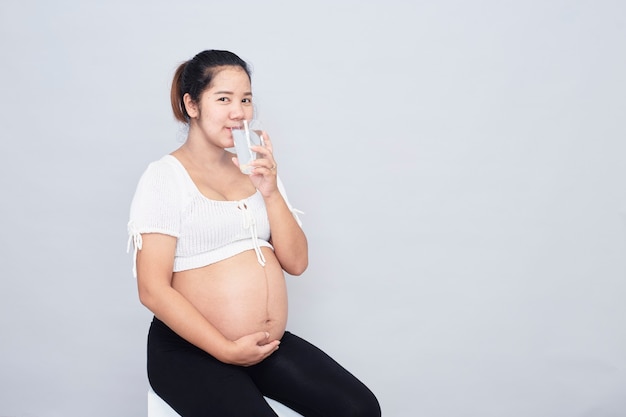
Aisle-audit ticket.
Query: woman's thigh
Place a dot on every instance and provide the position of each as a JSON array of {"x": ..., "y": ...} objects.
[
  {"x": 309, "y": 381},
  {"x": 195, "y": 384}
]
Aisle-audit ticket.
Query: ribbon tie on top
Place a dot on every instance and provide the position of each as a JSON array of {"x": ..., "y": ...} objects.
[
  {"x": 134, "y": 239},
  {"x": 249, "y": 223}
]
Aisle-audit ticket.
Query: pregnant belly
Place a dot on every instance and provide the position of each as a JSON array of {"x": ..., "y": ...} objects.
[{"x": 237, "y": 295}]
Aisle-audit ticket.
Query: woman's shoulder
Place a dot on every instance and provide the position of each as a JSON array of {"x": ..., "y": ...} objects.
[
  {"x": 167, "y": 169},
  {"x": 167, "y": 164},
  {"x": 164, "y": 178}
]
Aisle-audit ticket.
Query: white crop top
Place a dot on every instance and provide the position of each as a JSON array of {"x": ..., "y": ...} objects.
[{"x": 167, "y": 201}]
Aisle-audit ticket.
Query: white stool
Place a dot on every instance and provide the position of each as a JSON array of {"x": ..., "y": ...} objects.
[{"x": 159, "y": 408}]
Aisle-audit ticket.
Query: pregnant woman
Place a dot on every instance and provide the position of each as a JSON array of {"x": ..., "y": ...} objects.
[{"x": 211, "y": 247}]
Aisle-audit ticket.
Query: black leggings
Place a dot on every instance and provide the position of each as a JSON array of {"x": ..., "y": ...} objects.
[{"x": 298, "y": 374}]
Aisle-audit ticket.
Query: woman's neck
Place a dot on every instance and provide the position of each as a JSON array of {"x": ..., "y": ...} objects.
[{"x": 204, "y": 154}]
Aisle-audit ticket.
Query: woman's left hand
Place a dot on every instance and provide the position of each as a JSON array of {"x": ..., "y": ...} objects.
[{"x": 263, "y": 174}]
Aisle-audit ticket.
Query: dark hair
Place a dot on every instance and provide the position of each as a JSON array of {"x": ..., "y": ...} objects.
[{"x": 195, "y": 75}]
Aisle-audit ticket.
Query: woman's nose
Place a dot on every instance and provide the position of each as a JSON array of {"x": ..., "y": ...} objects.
[{"x": 237, "y": 112}]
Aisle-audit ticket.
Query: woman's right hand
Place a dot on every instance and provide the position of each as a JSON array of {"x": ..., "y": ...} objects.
[{"x": 251, "y": 349}]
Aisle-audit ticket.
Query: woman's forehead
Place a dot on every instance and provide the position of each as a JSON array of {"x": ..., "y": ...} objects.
[{"x": 230, "y": 77}]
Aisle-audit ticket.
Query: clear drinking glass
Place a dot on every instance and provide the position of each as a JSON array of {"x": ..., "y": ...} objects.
[{"x": 244, "y": 138}]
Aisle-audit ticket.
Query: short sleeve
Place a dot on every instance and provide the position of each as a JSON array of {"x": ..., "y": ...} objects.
[
  {"x": 294, "y": 211},
  {"x": 156, "y": 206}
]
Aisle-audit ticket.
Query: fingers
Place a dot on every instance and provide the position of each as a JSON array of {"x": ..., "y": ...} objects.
[
  {"x": 261, "y": 352},
  {"x": 254, "y": 348},
  {"x": 265, "y": 140},
  {"x": 261, "y": 338},
  {"x": 265, "y": 154},
  {"x": 264, "y": 164},
  {"x": 269, "y": 348}
]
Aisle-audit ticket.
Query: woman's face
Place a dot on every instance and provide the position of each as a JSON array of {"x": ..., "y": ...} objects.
[{"x": 224, "y": 105}]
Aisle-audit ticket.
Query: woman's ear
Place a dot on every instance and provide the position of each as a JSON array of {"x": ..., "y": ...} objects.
[{"x": 190, "y": 106}]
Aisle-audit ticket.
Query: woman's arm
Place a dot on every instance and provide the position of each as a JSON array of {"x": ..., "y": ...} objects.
[
  {"x": 155, "y": 263},
  {"x": 288, "y": 239}
]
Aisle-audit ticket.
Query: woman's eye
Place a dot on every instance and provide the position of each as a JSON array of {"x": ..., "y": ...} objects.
[
  {"x": 247, "y": 100},
  {"x": 222, "y": 99}
]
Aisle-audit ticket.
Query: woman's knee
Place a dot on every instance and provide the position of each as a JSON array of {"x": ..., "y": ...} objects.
[
  {"x": 366, "y": 405},
  {"x": 355, "y": 401}
]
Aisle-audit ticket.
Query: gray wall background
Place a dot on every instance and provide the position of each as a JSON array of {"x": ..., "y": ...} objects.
[{"x": 460, "y": 163}]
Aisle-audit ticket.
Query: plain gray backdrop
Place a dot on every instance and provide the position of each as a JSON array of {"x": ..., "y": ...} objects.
[{"x": 460, "y": 163}]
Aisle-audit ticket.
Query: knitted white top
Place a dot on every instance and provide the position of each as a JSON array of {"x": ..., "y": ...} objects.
[{"x": 167, "y": 201}]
